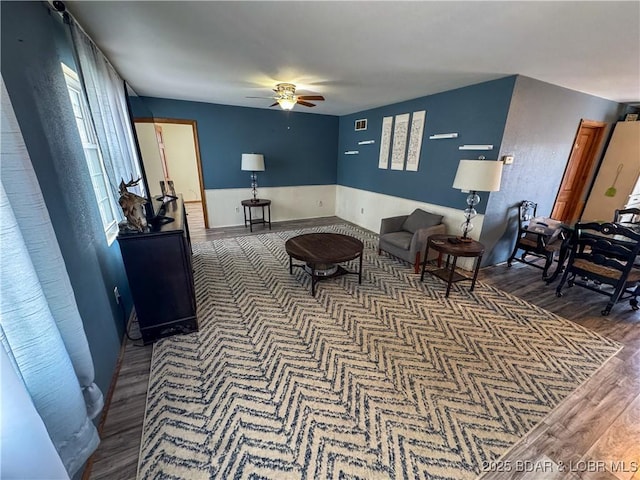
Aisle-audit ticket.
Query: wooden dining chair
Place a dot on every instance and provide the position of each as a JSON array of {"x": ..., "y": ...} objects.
[
  {"x": 537, "y": 237},
  {"x": 602, "y": 260}
]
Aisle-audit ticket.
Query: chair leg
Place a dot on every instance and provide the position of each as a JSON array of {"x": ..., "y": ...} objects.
[
  {"x": 513, "y": 255},
  {"x": 416, "y": 266},
  {"x": 615, "y": 296},
  {"x": 634, "y": 299},
  {"x": 547, "y": 264},
  {"x": 379, "y": 252},
  {"x": 561, "y": 284}
]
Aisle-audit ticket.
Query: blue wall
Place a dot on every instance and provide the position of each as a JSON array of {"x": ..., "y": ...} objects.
[
  {"x": 34, "y": 42},
  {"x": 299, "y": 148},
  {"x": 477, "y": 113}
]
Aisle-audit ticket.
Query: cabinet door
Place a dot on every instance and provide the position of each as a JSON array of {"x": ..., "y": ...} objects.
[{"x": 160, "y": 278}]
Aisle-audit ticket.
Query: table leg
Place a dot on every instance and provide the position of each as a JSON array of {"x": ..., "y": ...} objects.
[
  {"x": 424, "y": 262},
  {"x": 475, "y": 273},
  {"x": 313, "y": 280},
  {"x": 290, "y": 265},
  {"x": 244, "y": 210},
  {"x": 250, "y": 221},
  {"x": 360, "y": 270},
  {"x": 453, "y": 269},
  {"x": 269, "y": 209}
]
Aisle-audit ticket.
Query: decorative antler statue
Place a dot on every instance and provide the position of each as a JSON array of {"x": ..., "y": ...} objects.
[{"x": 132, "y": 206}]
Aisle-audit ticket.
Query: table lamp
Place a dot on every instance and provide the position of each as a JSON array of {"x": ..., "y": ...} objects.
[
  {"x": 476, "y": 176},
  {"x": 253, "y": 162}
]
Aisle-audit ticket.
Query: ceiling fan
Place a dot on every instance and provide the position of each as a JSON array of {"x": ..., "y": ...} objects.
[{"x": 286, "y": 97}]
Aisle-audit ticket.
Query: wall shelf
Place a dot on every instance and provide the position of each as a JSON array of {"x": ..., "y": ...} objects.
[
  {"x": 440, "y": 136},
  {"x": 475, "y": 147}
]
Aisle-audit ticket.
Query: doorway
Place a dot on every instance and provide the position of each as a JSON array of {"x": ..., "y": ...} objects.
[
  {"x": 579, "y": 172},
  {"x": 171, "y": 155}
]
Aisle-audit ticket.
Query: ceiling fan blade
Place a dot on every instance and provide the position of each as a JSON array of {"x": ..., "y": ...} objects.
[
  {"x": 258, "y": 97},
  {"x": 273, "y": 104},
  {"x": 310, "y": 97},
  {"x": 306, "y": 104}
]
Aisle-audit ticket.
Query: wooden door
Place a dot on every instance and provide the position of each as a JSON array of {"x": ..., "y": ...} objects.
[
  {"x": 164, "y": 155},
  {"x": 571, "y": 196}
]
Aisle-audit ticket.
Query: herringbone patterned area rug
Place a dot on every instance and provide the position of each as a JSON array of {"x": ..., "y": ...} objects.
[{"x": 384, "y": 380}]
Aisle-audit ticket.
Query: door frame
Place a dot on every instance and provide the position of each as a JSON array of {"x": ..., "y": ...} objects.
[
  {"x": 590, "y": 163},
  {"x": 194, "y": 128}
]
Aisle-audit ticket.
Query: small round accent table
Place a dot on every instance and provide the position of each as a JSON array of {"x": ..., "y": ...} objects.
[
  {"x": 452, "y": 247},
  {"x": 247, "y": 205},
  {"x": 320, "y": 251}
]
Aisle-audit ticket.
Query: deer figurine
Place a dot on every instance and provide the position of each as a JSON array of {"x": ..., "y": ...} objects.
[{"x": 132, "y": 206}]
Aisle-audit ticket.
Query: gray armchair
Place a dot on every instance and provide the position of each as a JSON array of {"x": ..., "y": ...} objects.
[{"x": 406, "y": 236}]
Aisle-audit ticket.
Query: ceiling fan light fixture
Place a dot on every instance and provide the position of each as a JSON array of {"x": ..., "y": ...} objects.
[
  {"x": 287, "y": 103},
  {"x": 287, "y": 99}
]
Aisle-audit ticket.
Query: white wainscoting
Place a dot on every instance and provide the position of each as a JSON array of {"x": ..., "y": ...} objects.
[
  {"x": 366, "y": 209},
  {"x": 287, "y": 203},
  {"x": 361, "y": 207}
]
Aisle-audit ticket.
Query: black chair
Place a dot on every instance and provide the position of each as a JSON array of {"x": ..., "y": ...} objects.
[
  {"x": 602, "y": 260},
  {"x": 538, "y": 237}
]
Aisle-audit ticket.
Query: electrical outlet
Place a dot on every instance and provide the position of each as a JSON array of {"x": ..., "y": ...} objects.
[
  {"x": 116, "y": 294},
  {"x": 237, "y": 209},
  {"x": 507, "y": 159},
  {"x": 362, "y": 211},
  {"x": 319, "y": 203}
]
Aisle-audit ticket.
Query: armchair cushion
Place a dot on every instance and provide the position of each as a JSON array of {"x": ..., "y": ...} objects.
[
  {"x": 420, "y": 219},
  {"x": 401, "y": 239}
]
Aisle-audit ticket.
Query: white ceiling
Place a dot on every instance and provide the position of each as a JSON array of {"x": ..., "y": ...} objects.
[{"x": 363, "y": 54}]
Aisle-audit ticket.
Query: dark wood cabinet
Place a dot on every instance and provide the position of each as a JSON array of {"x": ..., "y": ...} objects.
[{"x": 160, "y": 274}]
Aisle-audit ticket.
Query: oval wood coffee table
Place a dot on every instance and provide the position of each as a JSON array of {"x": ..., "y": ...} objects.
[{"x": 321, "y": 252}]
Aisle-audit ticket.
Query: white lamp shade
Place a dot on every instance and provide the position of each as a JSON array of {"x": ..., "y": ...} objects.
[
  {"x": 478, "y": 175},
  {"x": 252, "y": 162}
]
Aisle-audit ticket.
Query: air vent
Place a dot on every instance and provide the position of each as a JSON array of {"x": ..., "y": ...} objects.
[{"x": 361, "y": 124}]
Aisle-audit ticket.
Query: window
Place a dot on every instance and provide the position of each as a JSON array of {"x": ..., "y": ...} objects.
[{"x": 99, "y": 179}]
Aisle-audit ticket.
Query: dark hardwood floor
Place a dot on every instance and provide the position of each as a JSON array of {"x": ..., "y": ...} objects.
[{"x": 593, "y": 434}]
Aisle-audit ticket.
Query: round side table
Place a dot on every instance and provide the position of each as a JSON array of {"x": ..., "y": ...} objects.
[
  {"x": 247, "y": 205},
  {"x": 453, "y": 248}
]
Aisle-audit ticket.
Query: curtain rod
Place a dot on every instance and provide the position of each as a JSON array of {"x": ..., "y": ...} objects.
[{"x": 67, "y": 18}]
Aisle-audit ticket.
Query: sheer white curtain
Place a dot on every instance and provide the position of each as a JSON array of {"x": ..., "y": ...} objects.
[
  {"x": 106, "y": 97},
  {"x": 22, "y": 433},
  {"x": 41, "y": 331}
]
